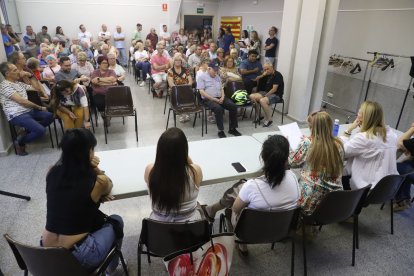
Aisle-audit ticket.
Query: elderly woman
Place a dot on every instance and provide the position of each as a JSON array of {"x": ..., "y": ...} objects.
[
  {"x": 44, "y": 52},
  {"x": 220, "y": 57},
  {"x": 34, "y": 65},
  {"x": 52, "y": 68},
  {"x": 119, "y": 70},
  {"x": 74, "y": 49},
  {"x": 101, "y": 79},
  {"x": 142, "y": 57},
  {"x": 70, "y": 103},
  {"x": 229, "y": 72},
  {"x": 83, "y": 66}
]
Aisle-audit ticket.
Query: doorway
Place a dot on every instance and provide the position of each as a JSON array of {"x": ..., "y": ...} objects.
[{"x": 198, "y": 22}]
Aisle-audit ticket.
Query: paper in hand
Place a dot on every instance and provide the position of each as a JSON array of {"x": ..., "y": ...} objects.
[{"x": 293, "y": 134}]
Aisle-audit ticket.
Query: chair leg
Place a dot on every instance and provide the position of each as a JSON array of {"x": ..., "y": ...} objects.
[
  {"x": 136, "y": 124},
  {"x": 121, "y": 257},
  {"x": 202, "y": 124},
  {"x": 273, "y": 246},
  {"x": 382, "y": 206},
  {"x": 51, "y": 137},
  {"x": 123, "y": 120},
  {"x": 305, "y": 271},
  {"x": 175, "y": 119},
  {"x": 356, "y": 221},
  {"x": 292, "y": 264},
  {"x": 105, "y": 130},
  {"x": 392, "y": 216},
  {"x": 205, "y": 119},
  {"x": 56, "y": 136},
  {"x": 354, "y": 241},
  {"x": 165, "y": 104},
  {"x": 168, "y": 119},
  {"x": 139, "y": 258},
  {"x": 283, "y": 110}
]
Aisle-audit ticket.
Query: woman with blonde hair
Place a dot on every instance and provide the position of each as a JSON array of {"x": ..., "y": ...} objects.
[
  {"x": 371, "y": 153},
  {"x": 83, "y": 66},
  {"x": 229, "y": 71},
  {"x": 255, "y": 43},
  {"x": 321, "y": 157}
]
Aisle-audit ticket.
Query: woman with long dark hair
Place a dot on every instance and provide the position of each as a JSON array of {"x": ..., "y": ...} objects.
[
  {"x": 75, "y": 187},
  {"x": 173, "y": 180}
]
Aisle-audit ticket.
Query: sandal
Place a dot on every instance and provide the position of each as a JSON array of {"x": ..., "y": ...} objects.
[{"x": 207, "y": 216}]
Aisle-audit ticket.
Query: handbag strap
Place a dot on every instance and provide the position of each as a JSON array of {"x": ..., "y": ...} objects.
[{"x": 264, "y": 198}]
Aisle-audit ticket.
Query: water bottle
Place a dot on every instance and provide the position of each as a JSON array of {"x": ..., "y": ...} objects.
[{"x": 336, "y": 128}]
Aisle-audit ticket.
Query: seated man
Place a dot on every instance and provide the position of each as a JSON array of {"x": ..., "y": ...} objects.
[
  {"x": 272, "y": 93},
  {"x": 159, "y": 65},
  {"x": 250, "y": 68},
  {"x": 19, "y": 110},
  {"x": 212, "y": 94},
  {"x": 67, "y": 73}
]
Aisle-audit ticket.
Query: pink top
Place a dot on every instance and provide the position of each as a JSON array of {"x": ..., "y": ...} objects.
[
  {"x": 47, "y": 71},
  {"x": 158, "y": 60}
]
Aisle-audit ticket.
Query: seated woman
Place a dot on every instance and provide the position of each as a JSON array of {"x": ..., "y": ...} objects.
[
  {"x": 371, "y": 153},
  {"x": 177, "y": 75},
  {"x": 220, "y": 57},
  {"x": 52, "y": 68},
  {"x": 173, "y": 186},
  {"x": 75, "y": 187},
  {"x": 141, "y": 57},
  {"x": 229, "y": 72},
  {"x": 235, "y": 55},
  {"x": 320, "y": 157},
  {"x": 70, "y": 103},
  {"x": 119, "y": 70},
  {"x": 101, "y": 79},
  {"x": 276, "y": 189},
  {"x": 83, "y": 66},
  {"x": 406, "y": 145}
]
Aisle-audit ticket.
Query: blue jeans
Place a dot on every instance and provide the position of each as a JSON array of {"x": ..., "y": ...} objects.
[
  {"x": 123, "y": 59},
  {"x": 34, "y": 122},
  {"x": 96, "y": 246},
  {"x": 145, "y": 67},
  {"x": 405, "y": 190}
]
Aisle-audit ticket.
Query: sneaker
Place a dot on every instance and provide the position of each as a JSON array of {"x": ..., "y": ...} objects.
[
  {"x": 401, "y": 205},
  {"x": 119, "y": 270},
  {"x": 148, "y": 76},
  {"x": 221, "y": 134},
  {"x": 142, "y": 83},
  {"x": 267, "y": 123},
  {"x": 20, "y": 150},
  {"x": 234, "y": 132},
  {"x": 184, "y": 118},
  {"x": 257, "y": 121},
  {"x": 211, "y": 119}
]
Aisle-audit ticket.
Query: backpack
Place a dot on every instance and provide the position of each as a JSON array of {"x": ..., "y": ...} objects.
[{"x": 240, "y": 97}]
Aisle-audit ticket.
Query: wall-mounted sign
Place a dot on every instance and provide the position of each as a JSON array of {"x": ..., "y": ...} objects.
[
  {"x": 200, "y": 10},
  {"x": 164, "y": 7}
]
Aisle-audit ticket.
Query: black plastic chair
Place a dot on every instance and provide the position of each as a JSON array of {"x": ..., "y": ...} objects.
[
  {"x": 118, "y": 103},
  {"x": 183, "y": 101},
  {"x": 259, "y": 227},
  {"x": 335, "y": 207},
  {"x": 51, "y": 261},
  {"x": 384, "y": 191},
  {"x": 162, "y": 238}
]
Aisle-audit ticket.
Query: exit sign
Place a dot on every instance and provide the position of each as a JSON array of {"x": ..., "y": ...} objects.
[{"x": 200, "y": 10}]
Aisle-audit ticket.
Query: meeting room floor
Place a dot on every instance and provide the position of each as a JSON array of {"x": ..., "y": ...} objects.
[{"x": 329, "y": 253}]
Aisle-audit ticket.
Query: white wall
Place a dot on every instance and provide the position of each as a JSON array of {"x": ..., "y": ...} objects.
[
  {"x": 377, "y": 26},
  {"x": 261, "y": 16}
]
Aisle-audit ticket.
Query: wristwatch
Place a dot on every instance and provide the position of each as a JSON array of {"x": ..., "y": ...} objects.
[{"x": 99, "y": 79}]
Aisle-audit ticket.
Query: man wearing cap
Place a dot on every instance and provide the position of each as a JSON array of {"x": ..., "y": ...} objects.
[
  {"x": 212, "y": 93},
  {"x": 403, "y": 196}
]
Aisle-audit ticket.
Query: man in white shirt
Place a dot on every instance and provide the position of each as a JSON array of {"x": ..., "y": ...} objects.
[
  {"x": 212, "y": 51},
  {"x": 165, "y": 35},
  {"x": 84, "y": 35},
  {"x": 119, "y": 41},
  {"x": 104, "y": 35}
]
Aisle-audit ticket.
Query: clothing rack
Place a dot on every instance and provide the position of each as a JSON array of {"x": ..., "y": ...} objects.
[
  {"x": 362, "y": 86},
  {"x": 407, "y": 91}
]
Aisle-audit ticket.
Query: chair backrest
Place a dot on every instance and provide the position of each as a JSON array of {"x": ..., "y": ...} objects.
[
  {"x": 45, "y": 261},
  {"x": 34, "y": 97},
  {"x": 119, "y": 97},
  {"x": 337, "y": 206},
  {"x": 16, "y": 253},
  {"x": 182, "y": 96},
  {"x": 258, "y": 226},
  {"x": 385, "y": 190},
  {"x": 163, "y": 238},
  {"x": 233, "y": 86}
]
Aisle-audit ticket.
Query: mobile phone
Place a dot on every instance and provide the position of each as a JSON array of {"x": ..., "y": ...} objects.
[{"x": 239, "y": 167}]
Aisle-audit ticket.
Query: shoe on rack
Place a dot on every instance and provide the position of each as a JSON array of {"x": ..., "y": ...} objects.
[
  {"x": 234, "y": 132},
  {"x": 221, "y": 134},
  {"x": 20, "y": 150},
  {"x": 257, "y": 121},
  {"x": 142, "y": 83},
  {"x": 267, "y": 123}
]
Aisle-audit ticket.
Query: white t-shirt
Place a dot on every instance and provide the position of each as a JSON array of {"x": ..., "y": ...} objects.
[
  {"x": 165, "y": 36},
  {"x": 11, "y": 108},
  {"x": 104, "y": 34},
  {"x": 86, "y": 36},
  {"x": 142, "y": 54},
  {"x": 284, "y": 196}
]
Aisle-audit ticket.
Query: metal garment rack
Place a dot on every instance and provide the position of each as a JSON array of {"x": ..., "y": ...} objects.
[
  {"x": 362, "y": 86},
  {"x": 406, "y": 92}
]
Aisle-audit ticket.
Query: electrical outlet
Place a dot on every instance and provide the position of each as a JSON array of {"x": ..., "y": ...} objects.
[{"x": 329, "y": 95}]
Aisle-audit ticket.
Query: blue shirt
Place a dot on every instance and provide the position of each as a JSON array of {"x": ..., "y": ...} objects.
[
  {"x": 211, "y": 86},
  {"x": 246, "y": 64},
  {"x": 227, "y": 39},
  {"x": 9, "y": 49}
]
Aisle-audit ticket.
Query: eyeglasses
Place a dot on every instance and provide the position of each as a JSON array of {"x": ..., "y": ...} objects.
[
  {"x": 104, "y": 62},
  {"x": 82, "y": 60}
]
